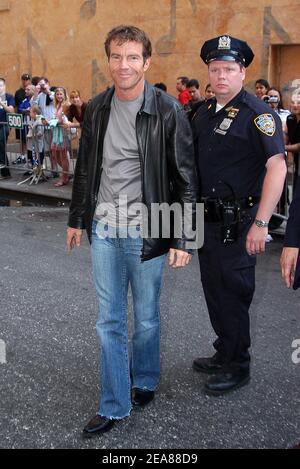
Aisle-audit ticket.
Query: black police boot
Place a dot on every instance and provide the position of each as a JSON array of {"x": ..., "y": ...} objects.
[
  {"x": 209, "y": 365},
  {"x": 225, "y": 382},
  {"x": 96, "y": 426}
]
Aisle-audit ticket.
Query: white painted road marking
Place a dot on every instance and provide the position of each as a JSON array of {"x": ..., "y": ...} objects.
[{"x": 2, "y": 352}]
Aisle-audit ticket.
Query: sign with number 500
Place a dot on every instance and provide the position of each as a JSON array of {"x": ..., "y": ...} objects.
[{"x": 15, "y": 121}]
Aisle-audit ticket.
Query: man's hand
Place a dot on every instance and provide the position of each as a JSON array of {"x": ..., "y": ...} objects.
[
  {"x": 73, "y": 238},
  {"x": 256, "y": 240},
  {"x": 178, "y": 258},
  {"x": 288, "y": 263}
]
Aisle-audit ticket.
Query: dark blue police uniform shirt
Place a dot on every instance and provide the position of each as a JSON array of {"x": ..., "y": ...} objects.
[
  {"x": 233, "y": 145},
  {"x": 9, "y": 100}
]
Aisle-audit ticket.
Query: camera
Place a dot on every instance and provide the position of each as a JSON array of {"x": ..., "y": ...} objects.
[{"x": 271, "y": 99}]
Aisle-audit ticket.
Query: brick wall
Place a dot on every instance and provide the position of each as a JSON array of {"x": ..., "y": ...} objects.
[{"x": 64, "y": 39}]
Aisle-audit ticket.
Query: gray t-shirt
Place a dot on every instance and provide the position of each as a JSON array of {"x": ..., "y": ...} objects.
[{"x": 121, "y": 168}]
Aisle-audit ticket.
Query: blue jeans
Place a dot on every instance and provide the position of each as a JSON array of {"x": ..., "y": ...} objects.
[{"x": 116, "y": 263}]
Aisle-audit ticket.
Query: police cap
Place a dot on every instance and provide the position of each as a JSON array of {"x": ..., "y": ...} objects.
[{"x": 227, "y": 48}]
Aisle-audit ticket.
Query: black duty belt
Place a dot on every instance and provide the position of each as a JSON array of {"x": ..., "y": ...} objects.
[{"x": 214, "y": 208}]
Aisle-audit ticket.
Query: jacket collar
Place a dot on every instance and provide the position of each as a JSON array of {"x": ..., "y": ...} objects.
[
  {"x": 107, "y": 98},
  {"x": 149, "y": 105}
]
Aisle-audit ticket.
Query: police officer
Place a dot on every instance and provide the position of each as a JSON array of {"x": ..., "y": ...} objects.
[{"x": 241, "y": 167}]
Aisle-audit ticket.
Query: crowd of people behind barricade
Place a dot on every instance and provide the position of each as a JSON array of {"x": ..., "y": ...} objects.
[{"x": 52, "y": 119}]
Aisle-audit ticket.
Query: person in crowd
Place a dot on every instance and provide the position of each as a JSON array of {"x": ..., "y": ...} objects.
[
  {"x": 35, "y": 80},
  {"x": 261, "y": 87},
  {"x": 20, "y": 95},
  {"x": 193, "y": 88},
  {"x": 24, "y": 109},
  {"x": 161, "y": 86},
  {"x": 184, "y": 95},
  {"x": 7, "y": 104},
  {"x": 208, "y": 93},
  {"x": 60, "y": 145},
  {"x": 290, "y": 259},
  {"x": 240, "y": 160},
  {"x": 44, "y": 99},
  {"x": 274, "y": 99},
  {"x": 293, "y": 136},
  {"x": 35, "y": 137},
  {"x": 137, "y": 144},
  {"x": 75, "y": 111}
]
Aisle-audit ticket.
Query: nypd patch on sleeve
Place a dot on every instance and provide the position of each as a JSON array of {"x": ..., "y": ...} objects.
[{"x": 266, "y": 124}]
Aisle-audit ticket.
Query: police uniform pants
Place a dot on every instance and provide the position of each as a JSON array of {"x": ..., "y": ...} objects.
[{"x": 228, "y": 279}]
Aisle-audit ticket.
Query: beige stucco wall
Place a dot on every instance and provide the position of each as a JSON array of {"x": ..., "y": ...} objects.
[{"x": 63, "y": 39}]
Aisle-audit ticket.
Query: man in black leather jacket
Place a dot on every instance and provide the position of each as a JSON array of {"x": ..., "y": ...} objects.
[{"x": 136, "y": 143}]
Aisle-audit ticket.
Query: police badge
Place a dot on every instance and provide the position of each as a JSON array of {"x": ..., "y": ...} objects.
[
  {"x": 224, "y": 42},
  {"x": 225, "y": 124},
  {"x": 266, "y": 124},
  {"x": 232, "y": 112}
]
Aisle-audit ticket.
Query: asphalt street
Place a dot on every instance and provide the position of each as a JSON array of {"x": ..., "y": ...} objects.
[{"x": 49, "y": 352}]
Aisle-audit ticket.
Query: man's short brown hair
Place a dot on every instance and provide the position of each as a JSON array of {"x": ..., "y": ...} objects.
[{"x": 122, "y": 34}]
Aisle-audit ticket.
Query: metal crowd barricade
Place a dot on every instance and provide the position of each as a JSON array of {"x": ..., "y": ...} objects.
[
  {"x": 280, "y": 215},
  {"x": 70, "y": 143},
  {"x": 15, "y": 153},
  {"x": 5, "y": 154}
]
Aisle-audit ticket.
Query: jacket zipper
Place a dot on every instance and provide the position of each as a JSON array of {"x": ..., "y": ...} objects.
[{"x": 141, "y": 164}]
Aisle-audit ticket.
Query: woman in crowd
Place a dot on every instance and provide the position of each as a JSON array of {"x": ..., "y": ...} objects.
[
  {"x": 274, "y": 100},
  {"x": 208, "y": 92},
  {"x": 261, "y": 88},
  {"x": 76, "y": 110},
  {"x": 60, "y": 144},
  {"x": 276, "y": 104}
]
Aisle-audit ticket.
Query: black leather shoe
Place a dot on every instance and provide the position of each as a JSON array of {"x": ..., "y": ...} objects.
[
  {"x": 226, "y": 382},
  {"x": 96, "y": 426},
  {"x": 208, "y": 365},
  {"x": 141, "y": 397}
]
